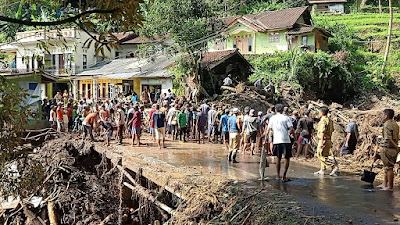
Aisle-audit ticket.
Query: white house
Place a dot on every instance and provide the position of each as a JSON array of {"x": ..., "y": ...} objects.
[
  {"x": 58, "y": 52},
  {"x": 328, "y": 6}
]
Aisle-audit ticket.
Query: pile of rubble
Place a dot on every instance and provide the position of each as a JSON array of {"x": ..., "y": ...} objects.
[{"x": 73, "y": 186}]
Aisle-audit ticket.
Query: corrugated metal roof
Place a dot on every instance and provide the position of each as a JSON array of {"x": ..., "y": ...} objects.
[{"x": 131, "y": 67}]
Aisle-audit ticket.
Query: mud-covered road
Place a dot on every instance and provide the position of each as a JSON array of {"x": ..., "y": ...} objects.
[{"x": 344, "y": 197}]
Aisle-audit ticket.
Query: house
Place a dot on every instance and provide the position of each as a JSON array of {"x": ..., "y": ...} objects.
[
  {"x": 215, "y": 66},
  {"x": 272, "y": 31},
  {"x": 327, "y": 6},
  {"x": 58, "y": 52},
  {"x": 35, "y": 84},
  {"x": 124, "y": 76},
  {"x": 130, "y": 42}
]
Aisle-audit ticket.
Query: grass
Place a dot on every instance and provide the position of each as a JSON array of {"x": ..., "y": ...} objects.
[{"x": 366, "y": 25}]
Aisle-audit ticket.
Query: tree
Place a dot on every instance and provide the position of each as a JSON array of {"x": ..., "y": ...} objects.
[
  {"x": 380, "y": 6},
  {"x": 191, "y": 24},
  {"x": 121, "y": 15},
  {"x": 389, "y": 36}
]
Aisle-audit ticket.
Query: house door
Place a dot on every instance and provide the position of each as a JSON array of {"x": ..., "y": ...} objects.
[
  {"x": 243, "y": 44},
  {"x": 61, "y": 61}
]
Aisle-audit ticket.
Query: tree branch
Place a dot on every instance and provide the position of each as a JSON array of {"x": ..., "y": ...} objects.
[
  {"x": 56, "y": 22},
  {"x": 88, "y": 33}
]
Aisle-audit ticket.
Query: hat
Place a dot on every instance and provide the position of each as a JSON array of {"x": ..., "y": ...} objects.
[
  {"x": 235, "y": 110},
  {"x": 260, "y": 113},
  {"x": 246, "y": 109},
  {"x": 252, "y": 112}
]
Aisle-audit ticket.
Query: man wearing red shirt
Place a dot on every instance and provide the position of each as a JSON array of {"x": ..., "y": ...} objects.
[
  {"x": 69, "y": 115},
  {"x": 136, "y": 126},
  {"x": 151, "y": 122}
]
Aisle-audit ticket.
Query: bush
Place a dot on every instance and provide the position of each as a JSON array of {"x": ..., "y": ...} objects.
[{"x": 317, "y": 72}]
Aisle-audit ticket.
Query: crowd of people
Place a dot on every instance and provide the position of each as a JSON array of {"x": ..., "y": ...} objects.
[{"x": 278, "y": 132}]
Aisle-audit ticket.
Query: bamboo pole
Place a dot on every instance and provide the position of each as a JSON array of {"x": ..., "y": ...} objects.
[{"x": 52, "y": 213}]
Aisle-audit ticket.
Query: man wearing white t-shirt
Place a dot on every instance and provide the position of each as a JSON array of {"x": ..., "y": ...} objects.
[{"x": 282, "y": 128}]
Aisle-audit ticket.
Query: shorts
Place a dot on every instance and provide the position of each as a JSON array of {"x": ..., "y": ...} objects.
[
  {"x": 225, "y": 135},
  {"x": 349, "y": 149},
  {"x": 201, "y": 129},
  {"x": 110, "y": 132},
  {"x": 284, "y": 149},
  {"x": 252, "y": 137},
  {"x": 388, "y": 157},
  {"x": 160, "y": 133},
  {"x": 137, "y": 130},
  {"x": 270, "y": 137},
  {"x": 60, "y": 124},
  {"x": 304, "y": 141},
  {"x": 212, "y": 129}
]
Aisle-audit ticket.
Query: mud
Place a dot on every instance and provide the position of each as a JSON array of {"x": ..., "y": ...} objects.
[{"x": 335, "y": 200}]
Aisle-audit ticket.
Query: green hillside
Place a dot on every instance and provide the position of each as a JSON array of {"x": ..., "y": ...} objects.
[
  {"x": 367, "y": 25},
  {"x": 368, "y": 31}
]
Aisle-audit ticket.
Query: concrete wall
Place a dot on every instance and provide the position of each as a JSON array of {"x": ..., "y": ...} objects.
[
  {"x": 263, "y": 45},
  {"x": 73, "y": 45},
  {"x": 166, "y": 83}
]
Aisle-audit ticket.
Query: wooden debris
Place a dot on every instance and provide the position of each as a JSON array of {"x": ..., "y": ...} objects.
[{"x": 52, "y": 213}]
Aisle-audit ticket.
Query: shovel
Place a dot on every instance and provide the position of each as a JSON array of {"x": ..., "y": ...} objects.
[{"x": 369, "y": 176}]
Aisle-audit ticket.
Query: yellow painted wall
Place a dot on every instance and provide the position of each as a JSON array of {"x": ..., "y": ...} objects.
[
  {"x": 136, "y": 86},
  {"x": 49, "y": 90}
]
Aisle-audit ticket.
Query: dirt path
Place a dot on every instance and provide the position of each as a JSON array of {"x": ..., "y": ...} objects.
[{"x": 307, "y": 199}]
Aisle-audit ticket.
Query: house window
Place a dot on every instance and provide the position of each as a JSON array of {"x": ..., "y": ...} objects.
[
  {"x": 305, "y": 40},
  {"x": 27, "y": 63},
  {"x": 84, "y": 61},
  {"x": 32, "y": 86},
  {"x": 250, "y": 44},
  {"x": 69, "y": 60},
  {"x": 234, "y": 43},
  {"x": 274, "y": 37}
]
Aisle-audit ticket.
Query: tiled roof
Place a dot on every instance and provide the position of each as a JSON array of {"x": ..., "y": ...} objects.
[
  {"x": 210, "y": 57},
  {"x": 326, "y": 1},
  {"x": 124, "y": 36},
  {"x": 143, "y": 40},
  {"x": 301, "y": 30},
  {"x": 269, "y": 20}
]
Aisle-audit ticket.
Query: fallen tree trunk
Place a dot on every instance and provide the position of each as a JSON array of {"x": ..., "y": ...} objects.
[
  {"x": 144, "y": 192},
  {"x": 228, "y": 88}
]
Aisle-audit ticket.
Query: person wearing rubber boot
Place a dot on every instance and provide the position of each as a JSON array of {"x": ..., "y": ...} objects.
[
  {"x": 324, "y": 135},
  {"x": 234, "y": 135}
]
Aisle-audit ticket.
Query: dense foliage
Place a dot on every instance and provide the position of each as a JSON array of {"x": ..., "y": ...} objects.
[{"x": 317, "y": 73}]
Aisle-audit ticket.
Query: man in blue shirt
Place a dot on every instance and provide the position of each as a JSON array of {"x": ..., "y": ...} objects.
[
  {"x": 135, "y": 98},
  {"x": 159, "y": 126},
  {"x": 234, "y": 135},
  {"x": 223, "y": 127}
]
